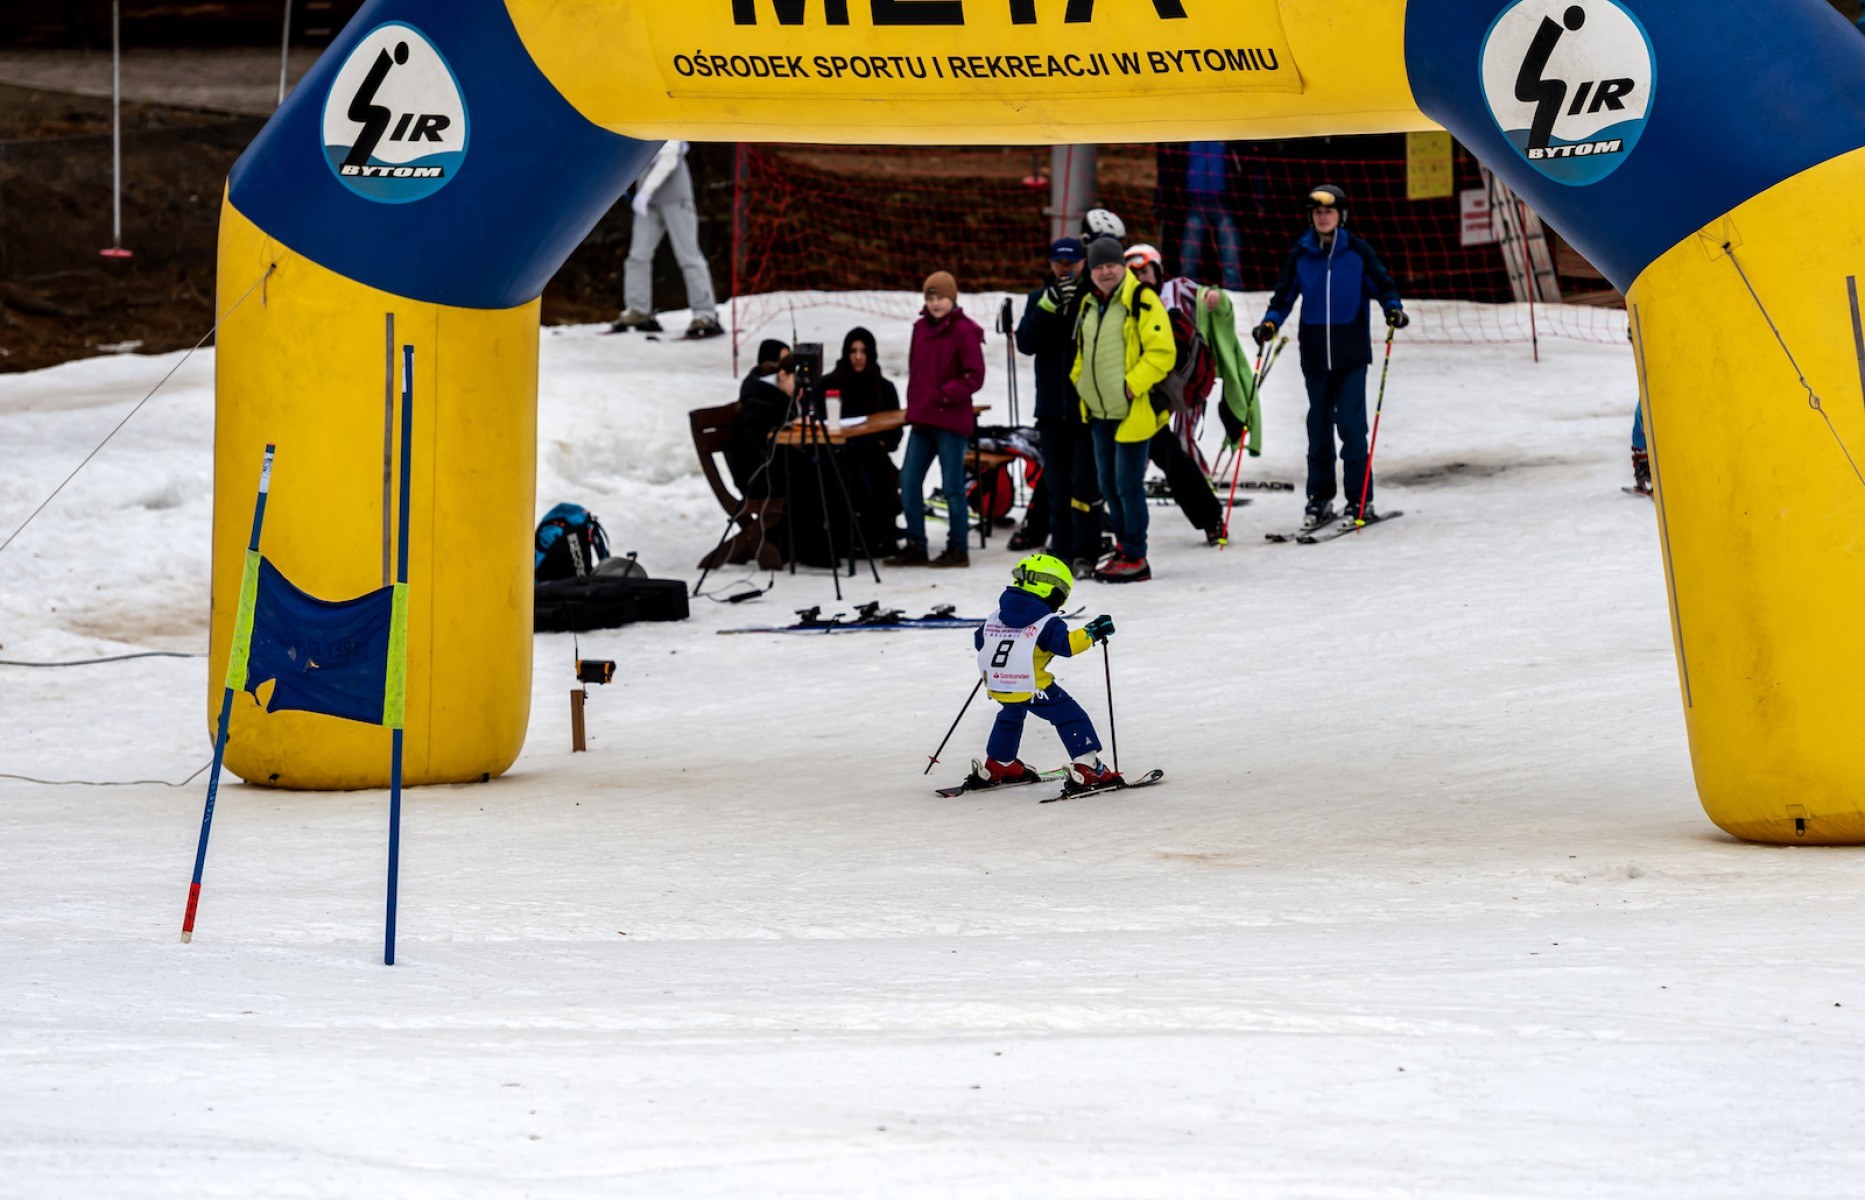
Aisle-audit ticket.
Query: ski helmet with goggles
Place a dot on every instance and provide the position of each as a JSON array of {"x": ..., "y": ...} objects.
[
  {"x": 1099, "y": 222},
  {"x": 1044, "y": 576},
  {"x": 1145, "y": 254},
  {"x": 1326, "y": 195}
]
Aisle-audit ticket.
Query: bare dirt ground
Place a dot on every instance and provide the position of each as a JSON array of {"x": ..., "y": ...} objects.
[{"x": 60, "y": 299}]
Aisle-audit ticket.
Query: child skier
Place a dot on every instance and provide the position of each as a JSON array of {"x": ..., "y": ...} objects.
[{"x": 1015, "y": 647}]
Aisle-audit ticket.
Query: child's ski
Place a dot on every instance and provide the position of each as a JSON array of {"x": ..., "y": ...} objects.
[{"x": 1146, "y": 780}]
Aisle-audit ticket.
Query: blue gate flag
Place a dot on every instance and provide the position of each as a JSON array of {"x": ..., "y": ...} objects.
[{"x": 326, "y": 656}]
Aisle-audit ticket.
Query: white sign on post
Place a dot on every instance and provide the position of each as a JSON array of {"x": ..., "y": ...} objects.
[{"x": 1476, "y": 228}]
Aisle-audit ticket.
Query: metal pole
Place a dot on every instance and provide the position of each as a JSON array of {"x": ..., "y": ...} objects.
[
  {"x": 1071, "y": 188},
  {"x": 284, "y": 50},
  {"x": 1528, "y": 270},
  {"x": 116, "y": 125}
]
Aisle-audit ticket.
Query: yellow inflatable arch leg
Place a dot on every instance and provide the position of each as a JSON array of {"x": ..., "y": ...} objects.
[{"x": 442, "y": 159}]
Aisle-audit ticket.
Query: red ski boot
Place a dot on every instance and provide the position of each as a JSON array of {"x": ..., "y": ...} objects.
[{"x": 1088, "y": 777}]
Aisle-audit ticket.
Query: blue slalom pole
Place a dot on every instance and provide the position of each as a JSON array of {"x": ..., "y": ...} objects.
[
  {"x": 236, "y": 679},
  {"x": 398, "y": 669}
]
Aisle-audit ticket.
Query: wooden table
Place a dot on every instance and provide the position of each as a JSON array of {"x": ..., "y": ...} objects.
[
  {"x": 796, "y": 437},
  {"x": 792, "y": 436}
]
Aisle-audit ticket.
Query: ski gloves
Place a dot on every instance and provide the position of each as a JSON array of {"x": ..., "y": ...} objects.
[
  {"x": 1099, "y": 629},
  {"x": 1062, "y": 292},
  {"x": 1395, "y": 317}
]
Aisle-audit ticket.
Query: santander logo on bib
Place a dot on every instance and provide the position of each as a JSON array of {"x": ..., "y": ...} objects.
[
  {"x": 1570, "y": 84},
  {"x": 395, "y": 126}
]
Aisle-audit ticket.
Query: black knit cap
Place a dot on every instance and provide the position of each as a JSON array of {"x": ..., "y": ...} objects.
[{"x": 1104, "y": 250}]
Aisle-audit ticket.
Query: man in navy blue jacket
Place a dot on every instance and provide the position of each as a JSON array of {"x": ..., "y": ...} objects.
[
  {"x": 1335, "y": 273},
  {"x": 1047, "y": 332}
]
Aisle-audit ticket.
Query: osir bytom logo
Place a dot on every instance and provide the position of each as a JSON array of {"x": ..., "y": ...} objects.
[
  {"x": 1570, "y": 84},
  {"x": 395, "y": 126}
]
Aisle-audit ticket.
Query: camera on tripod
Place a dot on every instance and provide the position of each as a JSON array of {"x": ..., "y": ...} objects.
[{"x": 806, "y": 364}]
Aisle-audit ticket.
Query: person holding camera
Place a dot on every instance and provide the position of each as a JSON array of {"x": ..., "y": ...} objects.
[
  {"x": 945, "y": 370},
  {"x": 1335, "y": 274},
  {"x": 1047, "y": 333}
]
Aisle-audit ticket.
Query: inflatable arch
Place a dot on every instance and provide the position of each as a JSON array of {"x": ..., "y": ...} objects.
[{"x": 444, "y": 156}]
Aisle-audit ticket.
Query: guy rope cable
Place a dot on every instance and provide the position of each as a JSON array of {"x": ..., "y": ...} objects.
[{"x": 132, "y": 412}]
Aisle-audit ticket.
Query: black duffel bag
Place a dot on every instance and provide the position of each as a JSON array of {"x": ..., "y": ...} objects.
[{"x": 605, "y": 601}]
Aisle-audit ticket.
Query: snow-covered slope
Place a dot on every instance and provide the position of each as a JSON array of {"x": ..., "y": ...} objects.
[{"x": 1425, "y": 908}]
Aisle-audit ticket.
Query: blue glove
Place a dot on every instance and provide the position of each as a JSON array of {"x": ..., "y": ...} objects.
[
  {"x": 1395, "y": 317},
  {"x": 1099, "y": 629}
]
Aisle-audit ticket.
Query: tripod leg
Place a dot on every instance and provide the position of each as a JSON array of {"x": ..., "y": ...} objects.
[
  {"x": 854, "y": 520},
  {"x": 822, "y": 494}
]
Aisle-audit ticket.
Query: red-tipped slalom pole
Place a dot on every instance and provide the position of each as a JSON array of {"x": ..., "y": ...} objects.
[
  {"x": 236, "y": 679},
  {"x": 1366, "y": 480}
]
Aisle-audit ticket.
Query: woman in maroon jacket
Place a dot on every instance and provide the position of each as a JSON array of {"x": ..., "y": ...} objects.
[{"x": 944, "y": 372}]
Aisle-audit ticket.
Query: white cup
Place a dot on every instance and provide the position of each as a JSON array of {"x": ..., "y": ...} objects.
[{"x": 832, "y": 406}]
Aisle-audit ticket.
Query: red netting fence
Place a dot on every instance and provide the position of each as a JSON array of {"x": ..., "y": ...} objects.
[{"x": 815, "y": 220}]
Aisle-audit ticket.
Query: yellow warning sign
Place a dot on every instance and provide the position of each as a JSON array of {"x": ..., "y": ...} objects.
[{"x": 1428, "y": 174}]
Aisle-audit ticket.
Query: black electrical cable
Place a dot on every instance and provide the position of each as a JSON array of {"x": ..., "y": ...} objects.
[
  {"x": 88, "y": 662},
  {"x": 110, "y": 782}
]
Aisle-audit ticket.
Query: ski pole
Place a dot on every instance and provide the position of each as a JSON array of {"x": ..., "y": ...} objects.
[
  {"x": 1273, "y": 356},
  {"x": 1366, "y": 481},
  {"x": 1113, "y": 735},
  {"x": 934, "y": 760},
  {"x": 1236, "y": 465}
]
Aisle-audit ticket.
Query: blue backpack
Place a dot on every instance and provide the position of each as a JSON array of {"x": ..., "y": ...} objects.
[{"x": 570, "y": 542}]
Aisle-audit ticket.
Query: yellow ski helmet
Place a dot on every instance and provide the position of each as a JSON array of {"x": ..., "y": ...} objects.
[{"x": 1044, "y": 576}]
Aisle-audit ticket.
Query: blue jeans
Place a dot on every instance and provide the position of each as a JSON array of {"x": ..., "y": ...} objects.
[
  {"x": 1054, "y": 706},
  {"x": 1209, "y": 210},
  {"x": 923, "y": 445},
  {"x": 1122, "y": 470},
  {"x": 1337, "y": 398}
]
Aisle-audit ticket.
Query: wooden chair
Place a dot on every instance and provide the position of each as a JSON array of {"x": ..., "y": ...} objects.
[{"x": 756, "y": 519}]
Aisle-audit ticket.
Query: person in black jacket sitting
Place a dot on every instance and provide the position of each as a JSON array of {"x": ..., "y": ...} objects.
[{"x": 764, "y": 404}]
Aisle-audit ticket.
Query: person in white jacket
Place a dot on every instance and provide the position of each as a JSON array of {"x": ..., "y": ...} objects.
[{"x": 664, "y": 207}]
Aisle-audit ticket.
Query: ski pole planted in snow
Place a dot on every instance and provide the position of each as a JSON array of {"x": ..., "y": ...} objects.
[
  {"x": 1366, "y": 480},
  {"x": 236, "y": 679},
  {"x": 934, "y": 760},
  {"x": 1113, "y": 735}
]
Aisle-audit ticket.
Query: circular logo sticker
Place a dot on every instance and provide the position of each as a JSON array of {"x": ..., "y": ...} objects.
[
  {"x": 395, "y": 122},
  {"x": 1570, "y": 84}
]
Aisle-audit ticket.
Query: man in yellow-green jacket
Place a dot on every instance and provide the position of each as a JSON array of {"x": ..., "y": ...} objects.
[{"x": 1123, "y": 349}]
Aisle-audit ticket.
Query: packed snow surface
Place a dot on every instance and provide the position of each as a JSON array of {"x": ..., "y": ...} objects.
[{"x": 1426, "y": 906}]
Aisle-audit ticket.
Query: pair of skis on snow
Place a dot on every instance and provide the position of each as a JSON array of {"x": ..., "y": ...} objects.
[
  {"x": 868, "y": 618},
  {"x": 1327, "y": 532},
  {"x": 1069, "y": 791}
]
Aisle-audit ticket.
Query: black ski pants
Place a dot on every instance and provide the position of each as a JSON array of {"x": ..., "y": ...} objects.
[
  {"x": 1191, "y": 491},
  {"x": 1072, "y": 489},
  {"x": 1337, "y": 400}
]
